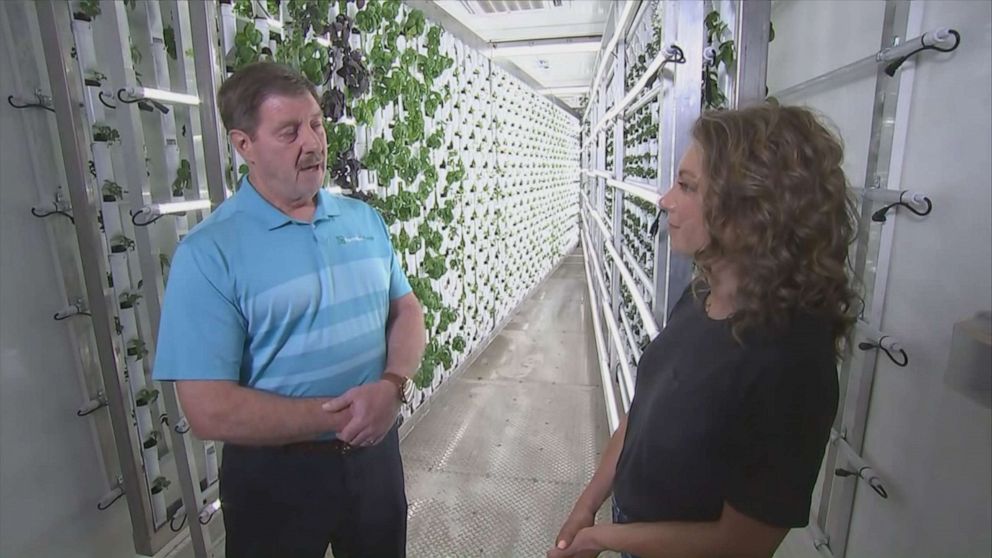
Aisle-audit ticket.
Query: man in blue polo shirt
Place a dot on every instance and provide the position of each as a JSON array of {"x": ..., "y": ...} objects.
[{"x": 291, "y": 332}]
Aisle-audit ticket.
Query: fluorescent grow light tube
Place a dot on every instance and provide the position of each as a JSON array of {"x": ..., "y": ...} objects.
[
  {"x": 176, "y": 207},
  {"x": 162, "y": 95},
  {"x": 535, "y": 47},
  {"x": 574, "y": 90}
]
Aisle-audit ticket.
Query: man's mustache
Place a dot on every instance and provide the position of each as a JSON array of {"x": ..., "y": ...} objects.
[{"x": 310, "y": 161}]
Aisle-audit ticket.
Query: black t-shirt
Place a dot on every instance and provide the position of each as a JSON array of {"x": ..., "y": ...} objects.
[{"x": 713, "y": 421}]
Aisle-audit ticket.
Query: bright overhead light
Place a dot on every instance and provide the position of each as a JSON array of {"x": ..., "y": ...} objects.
[
  {"x": 545, "y": 48},
  {"x": 162, "y": 95},
  {"x": 559, "y": 91}
]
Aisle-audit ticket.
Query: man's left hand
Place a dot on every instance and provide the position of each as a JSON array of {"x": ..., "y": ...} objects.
[
  {"x": 583, "y": 545},
  {"x": 373, "y": 412}
]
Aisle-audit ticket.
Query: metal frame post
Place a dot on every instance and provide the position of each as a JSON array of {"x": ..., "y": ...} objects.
[
  {"x": 62, "y": 77},
  {"x": 666, "y": 166},
  {"x": 856, "y": 382},
  {"x": 120, "y": 70},
  {"x": 183, "y": 76},
  {"x": 751, "y": 34},
  {"x": 598, "y": 237},
  {"x": 619, "y": 89},
  {"x": 132, "y": 134},
  {"x": 182, "y": 444},
  {"x": 206, "y": 59},
  {"x": 686, "y": 101}
]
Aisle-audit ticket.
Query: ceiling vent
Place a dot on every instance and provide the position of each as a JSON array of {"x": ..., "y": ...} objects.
[{"x": 494, "y": 7}]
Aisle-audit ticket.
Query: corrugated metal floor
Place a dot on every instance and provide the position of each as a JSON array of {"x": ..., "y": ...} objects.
[{"x": 505, "y": 449}]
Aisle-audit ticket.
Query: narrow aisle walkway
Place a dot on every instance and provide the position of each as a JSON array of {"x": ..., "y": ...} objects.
[{"x": 494, "y": 467}]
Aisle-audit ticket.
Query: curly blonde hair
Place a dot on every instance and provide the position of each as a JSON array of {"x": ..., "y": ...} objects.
[{"x": 778, "y": 211}]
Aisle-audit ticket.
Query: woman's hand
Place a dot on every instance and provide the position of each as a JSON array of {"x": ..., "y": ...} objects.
[
  {"x": 577, "y": 520},
  {"x": 582, "y": 545}
]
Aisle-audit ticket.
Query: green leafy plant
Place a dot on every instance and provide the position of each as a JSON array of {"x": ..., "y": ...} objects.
[
  {"x": 164, "y": 264},
  {"x": 364, "y": 111},
  {"x": 247, "y": 46},
  {"x": 150, "y": 442},
  {"x": 244, "y": 8},
  {"x": 369, "y": 19},
  {"x": 414, "y": 24},
  {"x": 340, "y": 137},
  {"x": 159, "y": 485},
  {"x": 434, "y": 266},
  {"x": 390, "y": 9},
  {"x": 314, "y": 61},
  {"x": 111, "y": 191},
  {"x": 381, "y": 56},
  {"x": 120, "y": 244},
  {"x": 445, "y": 319},
  {"x": 146, "y": 397},
  {"x": 128, "y": 299},
  {"x": 309, "y": 15},
  {"x": 184, "y": 179},
  {"x": 436, "y": 139},
  {"x": 104, "y": 133},
  {"x": 432, "y": 103},
  {"x": 89, "y": 8},
  {"x": 136, "y": 348},
  {"x": 169, "y": 37},
  {"x": 713, "y": 97}
]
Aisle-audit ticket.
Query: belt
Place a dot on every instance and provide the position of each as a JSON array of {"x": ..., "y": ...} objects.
[{"x": 320, "y": 446}]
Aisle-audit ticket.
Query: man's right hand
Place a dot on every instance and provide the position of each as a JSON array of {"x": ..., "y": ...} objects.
[{"x": 577, "y": 520}]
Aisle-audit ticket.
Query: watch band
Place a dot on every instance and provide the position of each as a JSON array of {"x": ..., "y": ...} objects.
[{"x": 401, "y": 383}]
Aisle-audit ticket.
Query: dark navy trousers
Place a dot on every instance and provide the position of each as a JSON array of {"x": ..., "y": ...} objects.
[{"x": 295, "y": 501}]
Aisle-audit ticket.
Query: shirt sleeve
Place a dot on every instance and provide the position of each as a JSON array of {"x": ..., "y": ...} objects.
[
  {"x": 399, "y": 285},
  {"x": 202, "y": 332},
  {"x": 778, "y": 444}
]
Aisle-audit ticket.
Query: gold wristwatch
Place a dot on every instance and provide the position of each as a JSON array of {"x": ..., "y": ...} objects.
[{"x": 403, "y": 385}]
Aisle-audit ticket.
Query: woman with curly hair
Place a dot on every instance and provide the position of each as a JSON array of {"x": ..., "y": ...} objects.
[{"x": 734, "y": 400}]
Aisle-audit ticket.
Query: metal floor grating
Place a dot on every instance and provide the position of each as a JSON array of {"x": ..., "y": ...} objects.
[{"x": 496, "y": 464}]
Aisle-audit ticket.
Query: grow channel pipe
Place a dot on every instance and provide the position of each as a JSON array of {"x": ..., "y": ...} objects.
[
  {"x": 611, "y": 323},
  {"x": 645, "y": 194},
  {"x": 635, "y": 293},
  {"x": 612, "y": 416},
  {"x": 671, "y": 54}
]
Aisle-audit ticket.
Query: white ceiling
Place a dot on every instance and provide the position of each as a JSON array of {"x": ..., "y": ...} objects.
[{"x": 532, "y": 20}]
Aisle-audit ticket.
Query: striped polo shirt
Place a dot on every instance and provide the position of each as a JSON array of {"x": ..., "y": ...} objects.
[{"x": 289, "y": 307}]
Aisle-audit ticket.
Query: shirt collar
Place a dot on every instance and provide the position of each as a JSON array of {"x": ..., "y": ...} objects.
[{"x": 250, "y": 201}]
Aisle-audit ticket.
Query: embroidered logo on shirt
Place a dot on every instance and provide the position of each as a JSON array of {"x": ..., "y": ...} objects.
[{"x": 342, "y": 239}]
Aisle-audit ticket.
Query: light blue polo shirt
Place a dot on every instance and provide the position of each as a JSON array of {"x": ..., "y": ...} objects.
[{"x": 293, "y": 308}]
